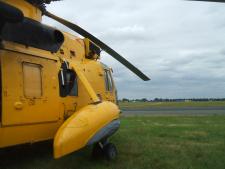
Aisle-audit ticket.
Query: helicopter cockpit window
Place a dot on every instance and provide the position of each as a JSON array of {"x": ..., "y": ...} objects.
[
  {"x": 72, "y": 83},
  {"x": 68, "y": 83},
  {"x": 108, "y": 81}
]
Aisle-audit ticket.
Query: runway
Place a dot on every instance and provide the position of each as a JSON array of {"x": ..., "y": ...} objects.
[{"x": 176, "y": 111}]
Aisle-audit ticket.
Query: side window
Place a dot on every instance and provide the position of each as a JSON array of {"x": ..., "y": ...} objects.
[
  {"x": 108, "y": 81},
  {"x": 32, "y": 80},
  {"x": 68, "y": 82},
  {"x": 72, "y": 83}
]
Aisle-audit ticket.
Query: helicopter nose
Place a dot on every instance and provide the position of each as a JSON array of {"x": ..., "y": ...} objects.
[{"x": 86, "y": 127}]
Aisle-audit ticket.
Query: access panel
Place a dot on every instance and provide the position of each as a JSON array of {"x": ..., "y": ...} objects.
[{"x": 29, "y": 89}]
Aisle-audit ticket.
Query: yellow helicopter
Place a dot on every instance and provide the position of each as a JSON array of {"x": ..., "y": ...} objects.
[{"x": 53, "y": 85}]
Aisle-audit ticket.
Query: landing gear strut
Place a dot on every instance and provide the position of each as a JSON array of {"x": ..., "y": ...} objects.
[
  {"x": 110, "y": 151},
  {"x": 106, "y": 149}
]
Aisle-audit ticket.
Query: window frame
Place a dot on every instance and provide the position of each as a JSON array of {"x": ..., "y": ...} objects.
[
  {"x": 65, "y": 90},
  {"x": 75, "y": 81},
  {"x": 41, "y": 80},
  {"x": 108, "y": 78}
]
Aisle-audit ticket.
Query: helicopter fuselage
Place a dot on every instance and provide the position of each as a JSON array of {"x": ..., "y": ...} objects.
[
  {"x": 41, "y": 89},
  {"x": 30, "y": 89}
]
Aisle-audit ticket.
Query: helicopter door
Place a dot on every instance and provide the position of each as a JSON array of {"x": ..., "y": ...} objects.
[
  {"x": 68, "y": 85},
  {"x": 30, "y": 89},
  {"x": 109, "y": 86}
]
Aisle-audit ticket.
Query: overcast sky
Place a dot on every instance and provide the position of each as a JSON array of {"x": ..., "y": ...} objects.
[{"x": 179, "y": 44}]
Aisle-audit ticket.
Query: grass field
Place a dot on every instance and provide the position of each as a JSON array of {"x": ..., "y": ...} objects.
[
  {"x": 150, "y": 142},
  {"x": 143, "y": 105}
]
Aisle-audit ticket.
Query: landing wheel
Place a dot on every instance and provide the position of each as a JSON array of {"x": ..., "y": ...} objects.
[
  {"x": 110, "y": 151},
  {"x": 97, "y": 151},
  {"x": 107, "y": 150}
]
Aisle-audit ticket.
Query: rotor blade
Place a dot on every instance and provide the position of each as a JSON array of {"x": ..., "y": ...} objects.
[
  {"x": 222, "y": 1},
  {"x": 102, "y": 45}
]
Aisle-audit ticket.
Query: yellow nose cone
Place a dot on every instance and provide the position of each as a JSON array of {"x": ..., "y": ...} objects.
[{"x": 75, "y": 133}]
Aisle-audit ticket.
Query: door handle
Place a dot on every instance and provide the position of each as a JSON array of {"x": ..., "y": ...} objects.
[{"x": 18, "y": 105}]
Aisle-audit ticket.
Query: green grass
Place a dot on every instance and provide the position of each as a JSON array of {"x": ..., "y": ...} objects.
[
  {"x": 143, "y": 105},
  {"x": 150, "y": 142}
]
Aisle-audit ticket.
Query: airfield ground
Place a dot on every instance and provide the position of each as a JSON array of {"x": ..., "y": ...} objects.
[
  {"x": 167, "y": 105},
  {"x": 186, "y": 141}
]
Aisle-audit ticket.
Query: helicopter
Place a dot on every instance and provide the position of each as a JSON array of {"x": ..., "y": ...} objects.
[{"x": 53, "y": 85}]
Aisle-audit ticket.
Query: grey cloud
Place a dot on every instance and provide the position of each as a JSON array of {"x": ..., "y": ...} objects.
[{"x": 180, "y": 44}]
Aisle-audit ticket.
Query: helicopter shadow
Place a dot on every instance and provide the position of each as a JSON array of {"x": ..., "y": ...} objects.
[{"x": 40, "y": 156}]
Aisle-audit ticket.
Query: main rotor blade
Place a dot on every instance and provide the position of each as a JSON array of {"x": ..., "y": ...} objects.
[
  {"x": 222, "y": 1},
  {"x": 98, "y": 42}
]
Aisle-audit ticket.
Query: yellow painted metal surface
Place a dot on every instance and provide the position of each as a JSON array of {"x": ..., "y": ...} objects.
[
  {"x": 18, "y": 107},
  {"x": 31, "y": 107},
  {"x": 15, "y": 135},
  {"x": 32, "y": 86},
  {"x": 86, "y": 84},
  {"x": 15, "y": 47},
  {"x": 80, "y": 127},
  {"x": 21, "y": 114}
]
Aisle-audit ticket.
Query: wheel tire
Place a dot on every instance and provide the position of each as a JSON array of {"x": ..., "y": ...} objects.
[
  {"x": 97, "y": 151},
  {"x": 110, "y": 151}
]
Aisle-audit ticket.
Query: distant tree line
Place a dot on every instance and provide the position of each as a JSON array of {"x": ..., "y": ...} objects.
[{"x": 172, "y": 100}]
